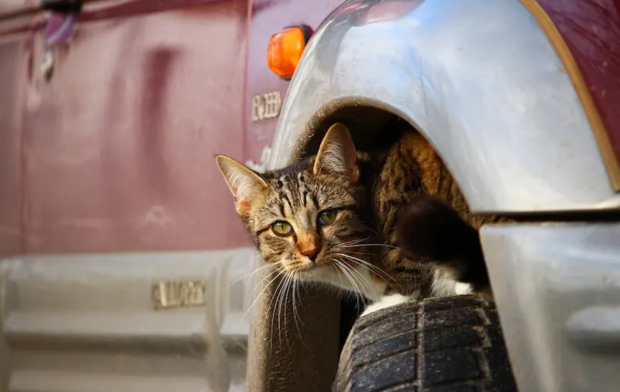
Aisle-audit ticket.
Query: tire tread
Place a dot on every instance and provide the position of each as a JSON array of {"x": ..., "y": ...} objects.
[{"x": 450, "y": 344}]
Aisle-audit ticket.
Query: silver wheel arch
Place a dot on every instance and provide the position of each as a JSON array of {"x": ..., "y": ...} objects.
[{"x": 478, "y": 78}]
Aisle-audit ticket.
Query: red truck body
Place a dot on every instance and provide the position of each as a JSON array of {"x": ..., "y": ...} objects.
[
  {"x": 115, "y": 152},
  {"x": 107, "y": 145}
]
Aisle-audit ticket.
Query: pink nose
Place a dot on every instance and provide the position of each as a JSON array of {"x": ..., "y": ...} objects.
[{"x": 310, "y": 253}]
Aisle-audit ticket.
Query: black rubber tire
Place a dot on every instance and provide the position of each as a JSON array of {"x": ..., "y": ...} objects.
[{"x": 450, "y": 344}]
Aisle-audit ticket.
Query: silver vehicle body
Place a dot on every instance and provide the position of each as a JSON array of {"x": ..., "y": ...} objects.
[
  {"x": 508, "y": 123},
  {"x": 505, "y": 118},
  {"x": 91, "y": 323}
]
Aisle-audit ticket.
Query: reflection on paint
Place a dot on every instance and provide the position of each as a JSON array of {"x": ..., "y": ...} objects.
[{"x": 264, "y": 158}]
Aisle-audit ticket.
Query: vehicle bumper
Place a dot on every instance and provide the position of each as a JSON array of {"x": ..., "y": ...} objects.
[
  {"x": 90, "y": 322},
  {"x": 557, "y": 287}
]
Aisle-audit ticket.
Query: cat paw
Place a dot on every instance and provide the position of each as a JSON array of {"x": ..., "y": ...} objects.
[
  {"x": 386, "y": 302},
  {"x": 462, "y": 288}
]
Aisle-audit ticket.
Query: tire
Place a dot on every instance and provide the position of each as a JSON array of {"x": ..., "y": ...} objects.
[{"x": 438, "y": 345}]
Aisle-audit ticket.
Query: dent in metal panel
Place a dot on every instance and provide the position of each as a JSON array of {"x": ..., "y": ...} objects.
[
  {"x": 87, "y": 323},
  {"x": 120, "y": 142},
  {"x": 558, "y": 294}
]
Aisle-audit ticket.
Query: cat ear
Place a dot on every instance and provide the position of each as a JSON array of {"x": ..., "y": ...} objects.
[
  {"x": 337, "y": 153},
  {"x": 245, "y": 184}
]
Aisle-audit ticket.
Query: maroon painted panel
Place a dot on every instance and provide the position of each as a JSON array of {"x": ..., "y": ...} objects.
[
  {"x": 13, "y": 66},
  {"x": 120, "y": 144},
  {"x": 268, "y": 17},
  {"x": 116, "y": 152},
  {"x": 591, "y": 29},
  {"x": 11, "y": 5}
]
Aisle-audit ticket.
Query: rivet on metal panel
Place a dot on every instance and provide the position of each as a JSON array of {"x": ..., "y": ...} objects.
[{"x": 178, "y": 294}]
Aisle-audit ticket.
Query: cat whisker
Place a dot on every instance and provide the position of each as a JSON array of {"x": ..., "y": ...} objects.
[
  {"x": 262, "y": 287},
  {"x": 279, "y": 308},
  {"x": 353, "y": 242},
  {"x": 293, "y": 289},
  {"x": 261, "y": 293},
  {"x": 351, "y": 272},
  {"x": 295, "y": 310},
  {"x": 249, "y": 275},
  {"x": 339, "y": 289},
  {"x": 289, "y": 294},
  {"x": 356, "y": 289},
  {"x": 361, "y": 279},
  {"x": 363, "y": 245},
  {"x": 370, "y": 267},
  {"x": 271, "y": 310},
  {"x": 338, "y": 265},
  {"x": 278, "y": 270},
  {"x": 365, "y": 263},
  {"x": 284, "y": 305},
  {"x": 359, "y": 253}
]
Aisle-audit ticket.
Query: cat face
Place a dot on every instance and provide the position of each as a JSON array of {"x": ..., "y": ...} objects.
[{"x": 306, "y": 219}]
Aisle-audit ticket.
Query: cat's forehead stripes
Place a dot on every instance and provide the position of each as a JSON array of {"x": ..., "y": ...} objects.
[
  {"x": 296, "y": 195},
  {"x": 293, "y": 191},
  {"x": 304, "y": 190}
]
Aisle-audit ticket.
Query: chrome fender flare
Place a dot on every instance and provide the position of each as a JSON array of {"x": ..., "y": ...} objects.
[{"x": 478, "y": 78}]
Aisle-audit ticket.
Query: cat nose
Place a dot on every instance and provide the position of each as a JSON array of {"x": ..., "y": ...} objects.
[{"x": 310, "y": 253}]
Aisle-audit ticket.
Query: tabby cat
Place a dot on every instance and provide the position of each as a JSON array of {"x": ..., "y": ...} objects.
[{"x": 378, "y": 223}]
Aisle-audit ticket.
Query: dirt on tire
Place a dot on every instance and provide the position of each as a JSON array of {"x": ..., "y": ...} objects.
[{"x": 450, "y": 344}]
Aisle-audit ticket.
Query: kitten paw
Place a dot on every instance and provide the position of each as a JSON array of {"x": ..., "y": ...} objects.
[
  {"x": 462, "y": 288},
  {"x": 386, "y": 302}
]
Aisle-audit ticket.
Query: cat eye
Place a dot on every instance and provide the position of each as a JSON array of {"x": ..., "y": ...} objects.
[
  {"x": 327, "y": 217},
  {"x": 282, "y": 229}
]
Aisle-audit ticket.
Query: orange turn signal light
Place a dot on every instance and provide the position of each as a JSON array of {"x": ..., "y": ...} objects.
[{"x": 285, "y": 49}]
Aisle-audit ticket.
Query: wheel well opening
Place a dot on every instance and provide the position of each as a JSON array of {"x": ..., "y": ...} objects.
[{"x": 371, "y": 129}]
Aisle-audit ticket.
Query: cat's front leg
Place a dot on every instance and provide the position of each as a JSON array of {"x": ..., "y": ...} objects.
[{"x": 387, "y": 301}]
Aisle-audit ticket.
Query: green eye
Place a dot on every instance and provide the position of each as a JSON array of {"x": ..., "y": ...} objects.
[
  {"x": 282, "y": 229},
  {"x": 327, "y": 217}
]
